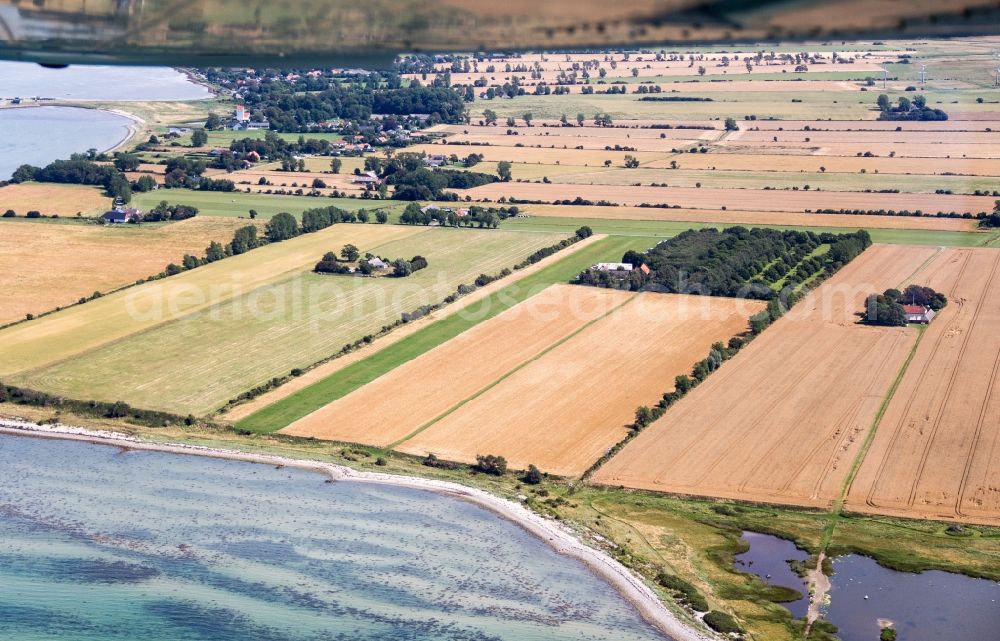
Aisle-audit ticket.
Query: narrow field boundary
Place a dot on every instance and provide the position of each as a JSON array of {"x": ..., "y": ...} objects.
[
  {"x": 838, "y": 504},
  {"x": 305, "y": 401},
  {"x": 513, "y": 371}
]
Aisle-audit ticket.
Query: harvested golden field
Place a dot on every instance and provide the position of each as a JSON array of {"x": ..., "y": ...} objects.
[
  {"x": 754, "y": 217},
  {"x": 783, "y": 420},
  {"x": 937, "y": 450},
  {"x": 886, "y": 136},
  {"x": 930, "y": 151},
  {"x": 541, "y": 140},
  {"x": 51, "y": 198},
  {"x": 566, "y": 407},
  {"x": 34, "y": 255},
  {"x": 832, "y": 164},
  {"x": 542, "y": 155},
  {"x": 741, "y": 199},
  {"x": 605, "y": 135},
  {"x": 419, "y": 391},
  {"x": 952, "y": 124}
]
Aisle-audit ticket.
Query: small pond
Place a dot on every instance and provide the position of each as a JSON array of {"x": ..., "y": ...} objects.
[
  {"x": 768, "y": 558},
  {"x": 930, "y": 606}
]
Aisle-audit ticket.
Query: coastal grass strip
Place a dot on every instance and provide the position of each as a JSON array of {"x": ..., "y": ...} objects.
[
  {"x": 513, "y": 371},
  {"x": 288, "y": 410}
]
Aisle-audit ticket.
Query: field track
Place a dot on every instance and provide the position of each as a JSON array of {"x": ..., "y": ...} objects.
[
  {"x": 937, "y": 450},
  {"x": 783, "y": 420}
]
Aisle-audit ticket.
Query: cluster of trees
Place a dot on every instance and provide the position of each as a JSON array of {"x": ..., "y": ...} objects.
[
  {"x": 332, "y": 264},
  {"x": 992, "y": 220},
  {"x": 730, "y": 262},
  {"x": 294, "y": 111},
  {"x": 481, "y": 217},
  {"x": 78, "y": 171},
  {"x": 887, "y": 308},
  {"x": 164, "y": 211},
  {"x": 413, "y": 180},
  {"x": 906, "y": 109}
]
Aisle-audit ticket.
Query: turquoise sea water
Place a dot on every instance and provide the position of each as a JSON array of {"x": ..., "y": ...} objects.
[{"x": 97, "y": 543}]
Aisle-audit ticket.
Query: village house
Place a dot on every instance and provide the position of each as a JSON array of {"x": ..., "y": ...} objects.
[
  {"x": 918, "y": 314},
  {"x": 435, "y": 160},
  {"x": 378, "y": 263},
  {"x": 369, "y": 180},
  {"x": 121, "y": 214}
]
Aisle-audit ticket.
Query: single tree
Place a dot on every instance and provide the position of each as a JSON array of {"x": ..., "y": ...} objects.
[
  {"x": 350, "y": 253},
  {"x": 199, "y": 138}
]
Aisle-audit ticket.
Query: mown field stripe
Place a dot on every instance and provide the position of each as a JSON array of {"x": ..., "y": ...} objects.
[
  {"x": 288, "y": 410},
  {"x": 510, "y": 373}
]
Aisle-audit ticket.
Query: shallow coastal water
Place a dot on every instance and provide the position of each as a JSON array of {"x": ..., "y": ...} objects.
[
  {"x": 930, "y": 606},
  {"x": 109, "y": 83},
  {"x": 39, "y": 135},
  {"x": 101, "y": 543}
]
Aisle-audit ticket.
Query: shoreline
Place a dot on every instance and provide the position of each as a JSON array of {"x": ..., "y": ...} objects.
[
  {"x": 131, "y": 129},
  {"x": 557, "y": 536}
]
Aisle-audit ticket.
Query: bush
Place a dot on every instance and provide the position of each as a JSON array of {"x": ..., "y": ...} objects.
[
  {"x": 34, "y": 214},
  {"x": 584, "y": 232},
  {"x": 533, "y": 476},
  {"x": 491, "y": 464},
  {"x": 10, "y": 213},
  {"x": 722, "y": 622}
]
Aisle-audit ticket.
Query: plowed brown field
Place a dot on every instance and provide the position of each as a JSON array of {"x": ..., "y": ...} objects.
[
  {"x": 395, "y": 405},
  {"x": 783, "y": 420},
  {"x": 743, "y": 199},
  {"x": 937, "y": 450},
  {"x": 565, "y": 409}
]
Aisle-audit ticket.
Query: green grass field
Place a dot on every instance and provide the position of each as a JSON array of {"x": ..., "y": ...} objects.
[
  {"x": 352, "y": 377},
  {"x": 194, "y": 363},
  {"x": 239, "y": 204},
  {"x": 666, "y": 229}
]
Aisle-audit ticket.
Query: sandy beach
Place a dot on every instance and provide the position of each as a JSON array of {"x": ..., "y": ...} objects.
[{"x": 559, "y": 537}]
